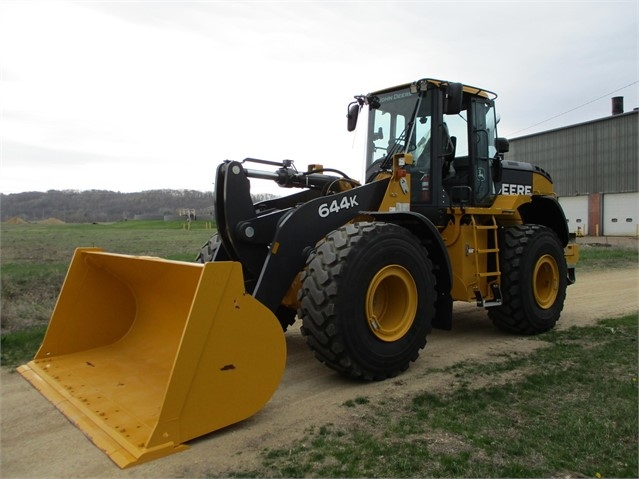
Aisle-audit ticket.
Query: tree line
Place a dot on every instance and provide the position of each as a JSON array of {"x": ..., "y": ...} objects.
[{"x": 94, "y": 206}]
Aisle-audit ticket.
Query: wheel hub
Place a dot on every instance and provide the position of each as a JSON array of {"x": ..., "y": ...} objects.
[
  {"x": 391, "y": 303},
  {"x": 546, "y": 281}
]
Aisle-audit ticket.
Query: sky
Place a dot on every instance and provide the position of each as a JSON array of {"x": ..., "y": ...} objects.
[{"x": 140, "y": 95}]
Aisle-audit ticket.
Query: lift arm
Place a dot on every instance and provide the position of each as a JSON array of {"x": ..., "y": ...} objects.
[{"x": 273, "y": 243}]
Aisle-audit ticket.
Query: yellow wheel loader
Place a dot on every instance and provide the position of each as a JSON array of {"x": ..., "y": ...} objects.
[{"x": 144, "y": 354}]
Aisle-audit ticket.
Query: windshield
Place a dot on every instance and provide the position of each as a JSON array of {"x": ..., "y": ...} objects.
[
  {"x": 389, "y": 126},
  {"x": 453, "y": 153}
]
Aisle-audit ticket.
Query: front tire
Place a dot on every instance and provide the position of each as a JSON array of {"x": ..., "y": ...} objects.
[
  {"x": 534, "y": 280},
  {"x": 368, "y": 300}
]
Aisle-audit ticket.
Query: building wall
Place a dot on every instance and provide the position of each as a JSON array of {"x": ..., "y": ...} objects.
[
  {"x": 597, "y": 161},
  {"x": 600, "y": 156}
]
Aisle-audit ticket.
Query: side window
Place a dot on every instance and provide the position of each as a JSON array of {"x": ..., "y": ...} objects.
[
  {"x": 400, "y": 126},
  {"x": 458, "y": 128},
  {"x": 485, "y": 129},
  {"x": 491, "y": 131},
  {"x": 483, "y": 143},
  {"x": 381, "y": 133},
  {"x": 421, "y": 142}
]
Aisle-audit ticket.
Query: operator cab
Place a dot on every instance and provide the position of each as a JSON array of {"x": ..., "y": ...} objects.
[{"x": 451, "y": 131}]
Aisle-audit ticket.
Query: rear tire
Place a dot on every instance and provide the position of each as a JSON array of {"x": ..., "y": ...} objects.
[
  {"x": 368, "y": 300},
  {"x": 533, "y": 282},
  {"x": 209, "y": 249}
]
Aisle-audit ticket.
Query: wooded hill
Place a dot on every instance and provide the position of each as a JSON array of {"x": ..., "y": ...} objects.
[{"x": 94, "y": 206}]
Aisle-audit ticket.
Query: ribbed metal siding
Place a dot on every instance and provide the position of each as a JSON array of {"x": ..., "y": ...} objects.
[{"x": 600, "y": 156}]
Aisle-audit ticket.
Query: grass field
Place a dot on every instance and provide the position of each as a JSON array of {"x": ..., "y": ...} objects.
[
  {"x": 566, "y": 410},
  {"x": 34, "y": 259},
  {"x": 605, "y": 256}
]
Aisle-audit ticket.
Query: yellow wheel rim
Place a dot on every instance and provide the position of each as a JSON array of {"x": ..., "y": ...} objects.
[
  {"x": 546, "y": 281},
  {"x": 391, "y": 303}
]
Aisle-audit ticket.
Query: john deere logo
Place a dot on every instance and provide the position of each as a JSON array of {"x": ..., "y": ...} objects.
[{"x": 512, "y": 189}]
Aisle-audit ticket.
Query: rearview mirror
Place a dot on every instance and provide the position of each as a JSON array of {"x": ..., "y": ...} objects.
[
  {"x": 502, "y": 145},
  {"x": 351, "y": 116},
  {"x": 454, "y": 96}
]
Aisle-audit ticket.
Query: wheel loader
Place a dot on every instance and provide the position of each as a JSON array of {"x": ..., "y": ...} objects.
[{"x": 144, "y": 354}]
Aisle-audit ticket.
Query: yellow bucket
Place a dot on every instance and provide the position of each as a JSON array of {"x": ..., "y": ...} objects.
[{"x": 143, "y": 354}]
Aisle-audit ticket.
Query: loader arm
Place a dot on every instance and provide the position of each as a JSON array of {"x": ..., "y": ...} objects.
[
  {"x": 272, "y": 244},
  {"x": 299, "y": 231},
  {"x": 246, "y": 229}
]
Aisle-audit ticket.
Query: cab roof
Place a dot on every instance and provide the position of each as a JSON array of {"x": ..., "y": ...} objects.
[{"x": 422, "y": 84}]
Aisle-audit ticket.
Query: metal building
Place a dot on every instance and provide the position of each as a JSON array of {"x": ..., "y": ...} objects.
[{"x": 595, "y": 170}]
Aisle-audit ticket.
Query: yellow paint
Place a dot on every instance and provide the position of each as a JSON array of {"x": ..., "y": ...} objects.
[
  {"x": 466, "y": 238},
  {"x": 542, "y": 186},
  {"x": 545, "y": 281},
  {"x": 398, "y": 190},
  {"x": 391, "y": 303},
  {"x": 144, "y": 354},
  {"x": 290, "y": 298},
  {"x": 571, "y": 252}
]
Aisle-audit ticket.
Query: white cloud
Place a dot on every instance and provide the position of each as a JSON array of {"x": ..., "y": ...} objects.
[{"x": 171, "y": 89}]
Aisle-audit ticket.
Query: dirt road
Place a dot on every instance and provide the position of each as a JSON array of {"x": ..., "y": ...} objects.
[{"x": 37, "y": 441}]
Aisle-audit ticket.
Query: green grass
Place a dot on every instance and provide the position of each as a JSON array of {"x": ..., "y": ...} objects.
[
  {"x": 357, "y": 401},
  {"x": 20, "y": 346},
  {"x": 34, "y": 259},
  {"x": 606, "y": 256},
  {"x": 40, "y": 243},
  {"x": 573, "y": 413}
]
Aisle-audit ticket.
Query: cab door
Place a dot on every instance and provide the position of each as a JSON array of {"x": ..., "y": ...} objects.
[{"x": 483, "y": 133}]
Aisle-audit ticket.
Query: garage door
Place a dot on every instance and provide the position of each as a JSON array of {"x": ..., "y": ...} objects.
[
  {"x": 620, "y": 214},
  {"x": 576, "y": 211}
]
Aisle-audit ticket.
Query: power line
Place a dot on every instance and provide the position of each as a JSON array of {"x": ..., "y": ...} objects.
[{"x": 573, "y": 109}]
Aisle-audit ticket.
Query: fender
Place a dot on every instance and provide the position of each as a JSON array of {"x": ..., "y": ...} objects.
[{"x": 546, "y": 211}]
